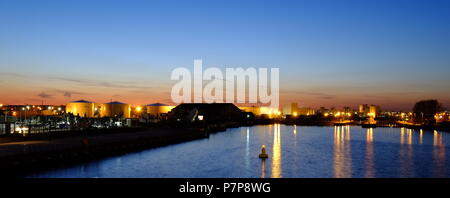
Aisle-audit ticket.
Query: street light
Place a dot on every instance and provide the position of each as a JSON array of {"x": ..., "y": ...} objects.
[
  {"x": 6, "y": 116},
  {"x": 28, "y": 108},
  {"x": 23, "y": 109}
]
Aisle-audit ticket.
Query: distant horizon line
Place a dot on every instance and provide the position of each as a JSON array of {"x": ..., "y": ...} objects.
[{"x": 237, "y": 104}]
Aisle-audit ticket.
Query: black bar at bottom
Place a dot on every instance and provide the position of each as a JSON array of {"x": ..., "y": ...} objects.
[{"x": 223, "y": 187}]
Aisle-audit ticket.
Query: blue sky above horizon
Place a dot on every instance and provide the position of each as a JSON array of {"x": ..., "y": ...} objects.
[{"x": 330, "y": 52}]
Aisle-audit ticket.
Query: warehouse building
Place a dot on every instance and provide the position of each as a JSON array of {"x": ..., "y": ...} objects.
[{"x": 210, "y": 113}]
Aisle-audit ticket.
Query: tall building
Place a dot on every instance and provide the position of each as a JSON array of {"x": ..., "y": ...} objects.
[
  {"x": 374, "y": 110},
  {"x": 305, "y": 111},
  {"x": 290, "y": 109},
  {"x": 348, "y": 110},
  {"x": 363, "y": 109},
  {"x": 323, "y": 110}
]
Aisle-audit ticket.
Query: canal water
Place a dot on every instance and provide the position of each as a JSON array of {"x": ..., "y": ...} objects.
[{"x": 294, "y": 151}]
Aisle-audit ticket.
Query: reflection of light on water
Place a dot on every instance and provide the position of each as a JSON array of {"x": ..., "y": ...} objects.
[
  {"x": 247, "y": 150},
  {"x": 342, "y": 151},
  {"x": 406, "y": 153},
  {"x": 263, "y": 165},
  {"x": 276, "y": 159},
  {"x": 369, "y": 153},
  {"x": 409, "y": 134},
  {"x": 438, "y": 155},
  {"x": 347, "y": 133},
  {"x": 420, "y": 137},
  {"x": 402, "y": 133},
  {"x": 295, "y": 142},
  {"x": 437, "y": 138},
  {"x": 369, "y": 137}
]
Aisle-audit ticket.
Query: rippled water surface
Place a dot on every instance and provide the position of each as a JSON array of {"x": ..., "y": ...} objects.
[{"x": 294, "y": 151}]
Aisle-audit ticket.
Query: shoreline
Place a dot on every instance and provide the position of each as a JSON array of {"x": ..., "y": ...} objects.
[{"x": 20, "y": 159}]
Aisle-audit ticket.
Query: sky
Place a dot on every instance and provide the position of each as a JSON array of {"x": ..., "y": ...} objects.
[{"x": 331, "y": 53}]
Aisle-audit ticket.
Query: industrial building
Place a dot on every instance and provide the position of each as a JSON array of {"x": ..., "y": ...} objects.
[
  {"x": 290, "y": 109},
  {"x": 253, "y": 109},
  {"x": 363, "y": 109},
  {"x": 369, "y": 110},
  {"x": 115, "y": 109},
  {"x": 158, "y": 109},
  {"x": 211, "y": 113},
  {"x": 269, "y": 112},
  {"x": 293, "y": 110},
  {"x": 305, "y": 111},
  {"x": 81, "y": 108},
  {"x": 374, "y": 110}
]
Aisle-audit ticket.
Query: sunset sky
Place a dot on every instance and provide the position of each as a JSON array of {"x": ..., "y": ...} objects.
[{"x": 331, "y": 53}]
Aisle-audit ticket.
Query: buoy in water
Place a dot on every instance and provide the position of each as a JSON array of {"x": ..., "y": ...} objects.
[{"x": 263, "y": 154}]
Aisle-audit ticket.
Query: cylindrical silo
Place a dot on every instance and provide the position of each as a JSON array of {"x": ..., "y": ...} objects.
[
  {"x": 157, "y": 109},
  {"x": 115, "y": 109},
  {"x": 81, "y": 108}
]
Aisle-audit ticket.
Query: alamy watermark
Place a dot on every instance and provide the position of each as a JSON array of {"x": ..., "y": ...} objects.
[{"x": 218, "y": 89}]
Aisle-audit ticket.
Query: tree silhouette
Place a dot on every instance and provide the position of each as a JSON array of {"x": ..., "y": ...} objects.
[{"x": 425, "y": 110}]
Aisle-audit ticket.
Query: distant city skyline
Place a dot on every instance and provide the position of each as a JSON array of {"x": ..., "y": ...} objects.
[{"x": 330, "y": 53}]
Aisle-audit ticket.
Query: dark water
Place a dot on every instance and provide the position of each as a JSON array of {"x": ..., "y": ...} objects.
[{"x": 293, "y": 152}]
